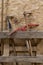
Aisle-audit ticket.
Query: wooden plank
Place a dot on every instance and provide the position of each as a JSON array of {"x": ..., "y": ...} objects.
[
  {"x": 27, "y": 34},
  {"x": 29, "y": 47},
  {"x": 28, "y": 44},
  {"x": 6, "y": 47},
  {"x": 2, "y": 11},
  {"x": 22, "y": 35},
  {"x": 31, "y": 59},
  {"x": 20, "y": 49},
  {"x": 12, "y": 52}
]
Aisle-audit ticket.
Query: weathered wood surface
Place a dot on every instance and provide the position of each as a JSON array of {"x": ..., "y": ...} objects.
[
  {"x": 23, "y": 49},
  {"x": 22, "y": 35},
  {"x": 6, "y": 48},
  {"x": 27, "y": 34},
  {"x": 21, "y": 59}
]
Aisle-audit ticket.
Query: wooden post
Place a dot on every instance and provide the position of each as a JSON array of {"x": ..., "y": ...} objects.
[
  {"x": 6, "y": 47},
  {"x": 2, "y": 15},
  {"x": 29, "y": 47},
  {"x": 28, "y": 44},
  {"x": 7, "y": 3}
]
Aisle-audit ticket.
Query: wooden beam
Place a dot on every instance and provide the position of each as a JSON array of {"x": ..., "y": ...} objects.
[
  {"x": 2, "y": 15},
  {"x": 27, "y": 35},
  {"x": 34, "y": 59},
  {"x": 23, "y": 49},
  {"x": 6, "y": 47},
  {"x": 22, "y": 35}
]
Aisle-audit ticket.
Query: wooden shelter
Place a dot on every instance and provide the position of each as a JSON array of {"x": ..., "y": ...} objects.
[{"x": 22, "y": 47}]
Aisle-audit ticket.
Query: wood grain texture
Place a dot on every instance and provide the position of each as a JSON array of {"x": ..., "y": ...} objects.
[
  {"x": 22, "y": 35},
  {"x": 34, "y": 59}
]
